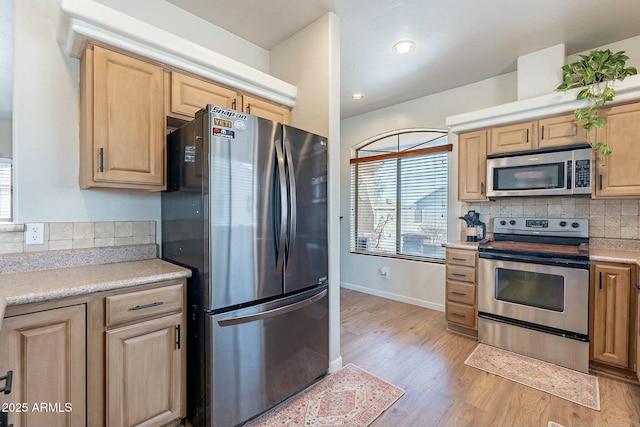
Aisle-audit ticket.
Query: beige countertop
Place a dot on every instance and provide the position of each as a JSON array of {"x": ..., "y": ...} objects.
[
  {"x": 44, "y": 285},
  {"x": 614, "y": 255},
  {"x": 461, "y": 244}
]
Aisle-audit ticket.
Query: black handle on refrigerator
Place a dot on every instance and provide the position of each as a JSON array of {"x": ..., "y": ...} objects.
[
  {"x": 282, "y": 210},
  {"x": 292, "y": 206}
]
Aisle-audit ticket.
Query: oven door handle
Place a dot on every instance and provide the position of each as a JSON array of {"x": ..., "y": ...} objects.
[{"x": 533, "y": 259}]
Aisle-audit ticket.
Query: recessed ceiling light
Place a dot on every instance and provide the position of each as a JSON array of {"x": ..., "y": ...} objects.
[
  {"x": 357, "y": 96},
  {"x": 402, "y": 47}
]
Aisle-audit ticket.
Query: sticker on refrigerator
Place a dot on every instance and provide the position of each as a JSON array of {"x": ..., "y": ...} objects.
[
  {"x": 240, "y": 125},
  {"x": 224, "y": 133},
  {"x": 190, "y": 154},
  {"x": 222, "y": 123}
]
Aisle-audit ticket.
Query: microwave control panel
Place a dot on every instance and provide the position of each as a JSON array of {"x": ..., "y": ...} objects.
[{"x": 582, "y": 174}]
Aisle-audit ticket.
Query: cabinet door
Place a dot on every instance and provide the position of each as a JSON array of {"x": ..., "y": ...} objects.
[
  {"x": 617, "y": 173},
  {"x": 266, "y": 110},
  {"x": 610, "y": 314},
  {"x": 559, "y": 131},
  {"x": 638, "y": 338},
  {"x": 128, "y": 122},
  {"x": 472, "y": 166},
  {"x": 144, "y": 373},
  {"x": 46, "y": 352},
  {"x": 516, "y": 137},
  {"x": 189, "y": 94}
]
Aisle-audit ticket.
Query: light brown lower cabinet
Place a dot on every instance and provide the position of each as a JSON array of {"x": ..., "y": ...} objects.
[
  {"x": 45, "y": 353},
  {"x": 144, "y": 367},
  {"x": 461, "y": 306},
  {"x": 114, "y": 358},
  {"x": 612, "y": 317},
  {"x": 638, "y": 338}
]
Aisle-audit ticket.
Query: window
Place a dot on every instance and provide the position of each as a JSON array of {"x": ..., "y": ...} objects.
[
  {"x": 5, "y": 190},
  {"x": 399, "y": 194}
]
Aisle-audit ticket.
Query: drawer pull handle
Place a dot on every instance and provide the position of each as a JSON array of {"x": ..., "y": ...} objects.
[
  {"x": 458, "y": 315},
  {"x": 459, "y": 274},
  {"x": 8, "y": 380},
  {"x": 458, "y": 293},
  {"x": 142, "y": 307},
  {"x": 458, "y": 259}
]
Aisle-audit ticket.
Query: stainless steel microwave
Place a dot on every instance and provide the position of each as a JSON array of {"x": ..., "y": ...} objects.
[{"x": 563, "y": 171}]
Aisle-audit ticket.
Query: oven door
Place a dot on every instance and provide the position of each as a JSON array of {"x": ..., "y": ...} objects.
[{"x": 547, "y": 295}]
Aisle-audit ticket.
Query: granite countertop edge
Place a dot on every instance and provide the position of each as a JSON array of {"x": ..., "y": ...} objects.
[
  {"x": 461, "y": 244},
  {"x": 613, "y": 255},
  {"x": 47, "y": 285}
]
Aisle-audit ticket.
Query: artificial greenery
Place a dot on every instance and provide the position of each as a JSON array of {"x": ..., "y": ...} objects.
[{"x": 595, "y": 71}]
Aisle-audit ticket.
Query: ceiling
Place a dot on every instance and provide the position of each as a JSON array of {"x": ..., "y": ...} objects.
[{"x": 456, "y": 42}]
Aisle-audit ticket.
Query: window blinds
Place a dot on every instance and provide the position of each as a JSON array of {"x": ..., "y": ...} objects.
[
  {"x": 5, "y": 190},
  {"x": 399, "y": 203}
]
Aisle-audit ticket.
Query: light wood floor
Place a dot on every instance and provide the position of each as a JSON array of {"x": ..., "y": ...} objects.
[{"x": 410, "y": 347}]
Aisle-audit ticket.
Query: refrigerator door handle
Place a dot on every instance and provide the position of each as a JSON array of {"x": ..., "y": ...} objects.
[
  {"x": 291, "y": 234},
  {"x": 284, "y": 218},
  {"x": 274, "y": 312}
]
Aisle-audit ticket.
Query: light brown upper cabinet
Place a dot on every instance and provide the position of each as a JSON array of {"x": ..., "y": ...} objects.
[
  {"x": 617, "y": 174},
  {"x": 190, "y": 94},
  {"x": 122, "y": 143},
  {"x": 264, "y": 109},
  {"x": 124, "y": 104},
  {"x": 550, "y": 132},
  {"x": 472, "y": 165}
]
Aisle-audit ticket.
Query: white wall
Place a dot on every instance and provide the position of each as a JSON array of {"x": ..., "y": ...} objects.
[
  {"x": 415, "y": 282},
  {"x": 169, "y": 17},
  {"x": 46, "y": 131},
  {"x": 311, "y": 60},
  {"x": 46, "y": 114}
]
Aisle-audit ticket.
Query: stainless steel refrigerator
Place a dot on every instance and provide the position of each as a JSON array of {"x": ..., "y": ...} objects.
[{"x": 246, "y": 210}]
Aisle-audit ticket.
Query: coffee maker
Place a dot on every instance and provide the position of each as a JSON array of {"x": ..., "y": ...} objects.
[{"x": 476, "y": 229}]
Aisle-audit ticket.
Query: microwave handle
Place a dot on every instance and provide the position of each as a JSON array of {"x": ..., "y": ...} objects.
[{"x": 569, "y": 174}]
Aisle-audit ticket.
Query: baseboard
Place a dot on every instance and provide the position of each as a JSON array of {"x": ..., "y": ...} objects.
[
  {"x": 392, "y": 296},
  {"x": 335, "y": 364}
]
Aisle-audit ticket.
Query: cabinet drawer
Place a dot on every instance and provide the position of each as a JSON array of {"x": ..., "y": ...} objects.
[
  {"x": 461, "y": 314},
  {"x": 460, "y": 292},
  {"x": 461, "y": 257},
  {"x": 462, "y": 274},
  {"x": 141, "y": 304}
]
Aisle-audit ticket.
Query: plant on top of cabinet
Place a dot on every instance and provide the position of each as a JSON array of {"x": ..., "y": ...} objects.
[{"x": 595, "y": 71}]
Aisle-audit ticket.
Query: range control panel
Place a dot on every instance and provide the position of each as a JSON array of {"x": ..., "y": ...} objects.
[{"x": 573, "y": 227}]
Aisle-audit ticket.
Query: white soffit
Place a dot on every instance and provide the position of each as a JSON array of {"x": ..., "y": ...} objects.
[
  {"x": 537, "y": 107},
  {"x": 86, "y": 20}
]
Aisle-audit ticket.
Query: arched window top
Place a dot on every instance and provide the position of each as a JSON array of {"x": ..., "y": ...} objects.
[{"x": 402, "y": 141}]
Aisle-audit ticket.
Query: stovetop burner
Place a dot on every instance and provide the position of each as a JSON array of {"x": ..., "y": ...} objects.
[{"x": 539, "y": 237}]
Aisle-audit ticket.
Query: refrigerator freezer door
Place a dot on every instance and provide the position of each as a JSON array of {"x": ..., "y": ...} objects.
[
  {"x": 306, "y": 157},
  {"x": 263, "y": 354},
  {"x": 245, "y": 214}
]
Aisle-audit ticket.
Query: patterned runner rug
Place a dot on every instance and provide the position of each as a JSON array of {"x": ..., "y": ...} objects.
[
  {"x": 566, "y": 383},
  {"x": 349, "y": 397}
]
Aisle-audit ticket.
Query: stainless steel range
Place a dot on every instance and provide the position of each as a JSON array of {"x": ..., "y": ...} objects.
[{"x": 533, "y": 289}]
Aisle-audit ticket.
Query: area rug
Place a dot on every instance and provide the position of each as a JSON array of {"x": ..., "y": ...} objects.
[
  {"x": 349, "y": 397},
  {"x": 566, "y": 383}
]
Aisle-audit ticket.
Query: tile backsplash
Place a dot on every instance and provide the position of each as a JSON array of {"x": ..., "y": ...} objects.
[
  {"x": 612, "y": 219},
  {"x": 77, "y": 235}
]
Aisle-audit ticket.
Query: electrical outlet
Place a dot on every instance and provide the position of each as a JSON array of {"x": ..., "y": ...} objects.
[{"x": 35, "y": 234}]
